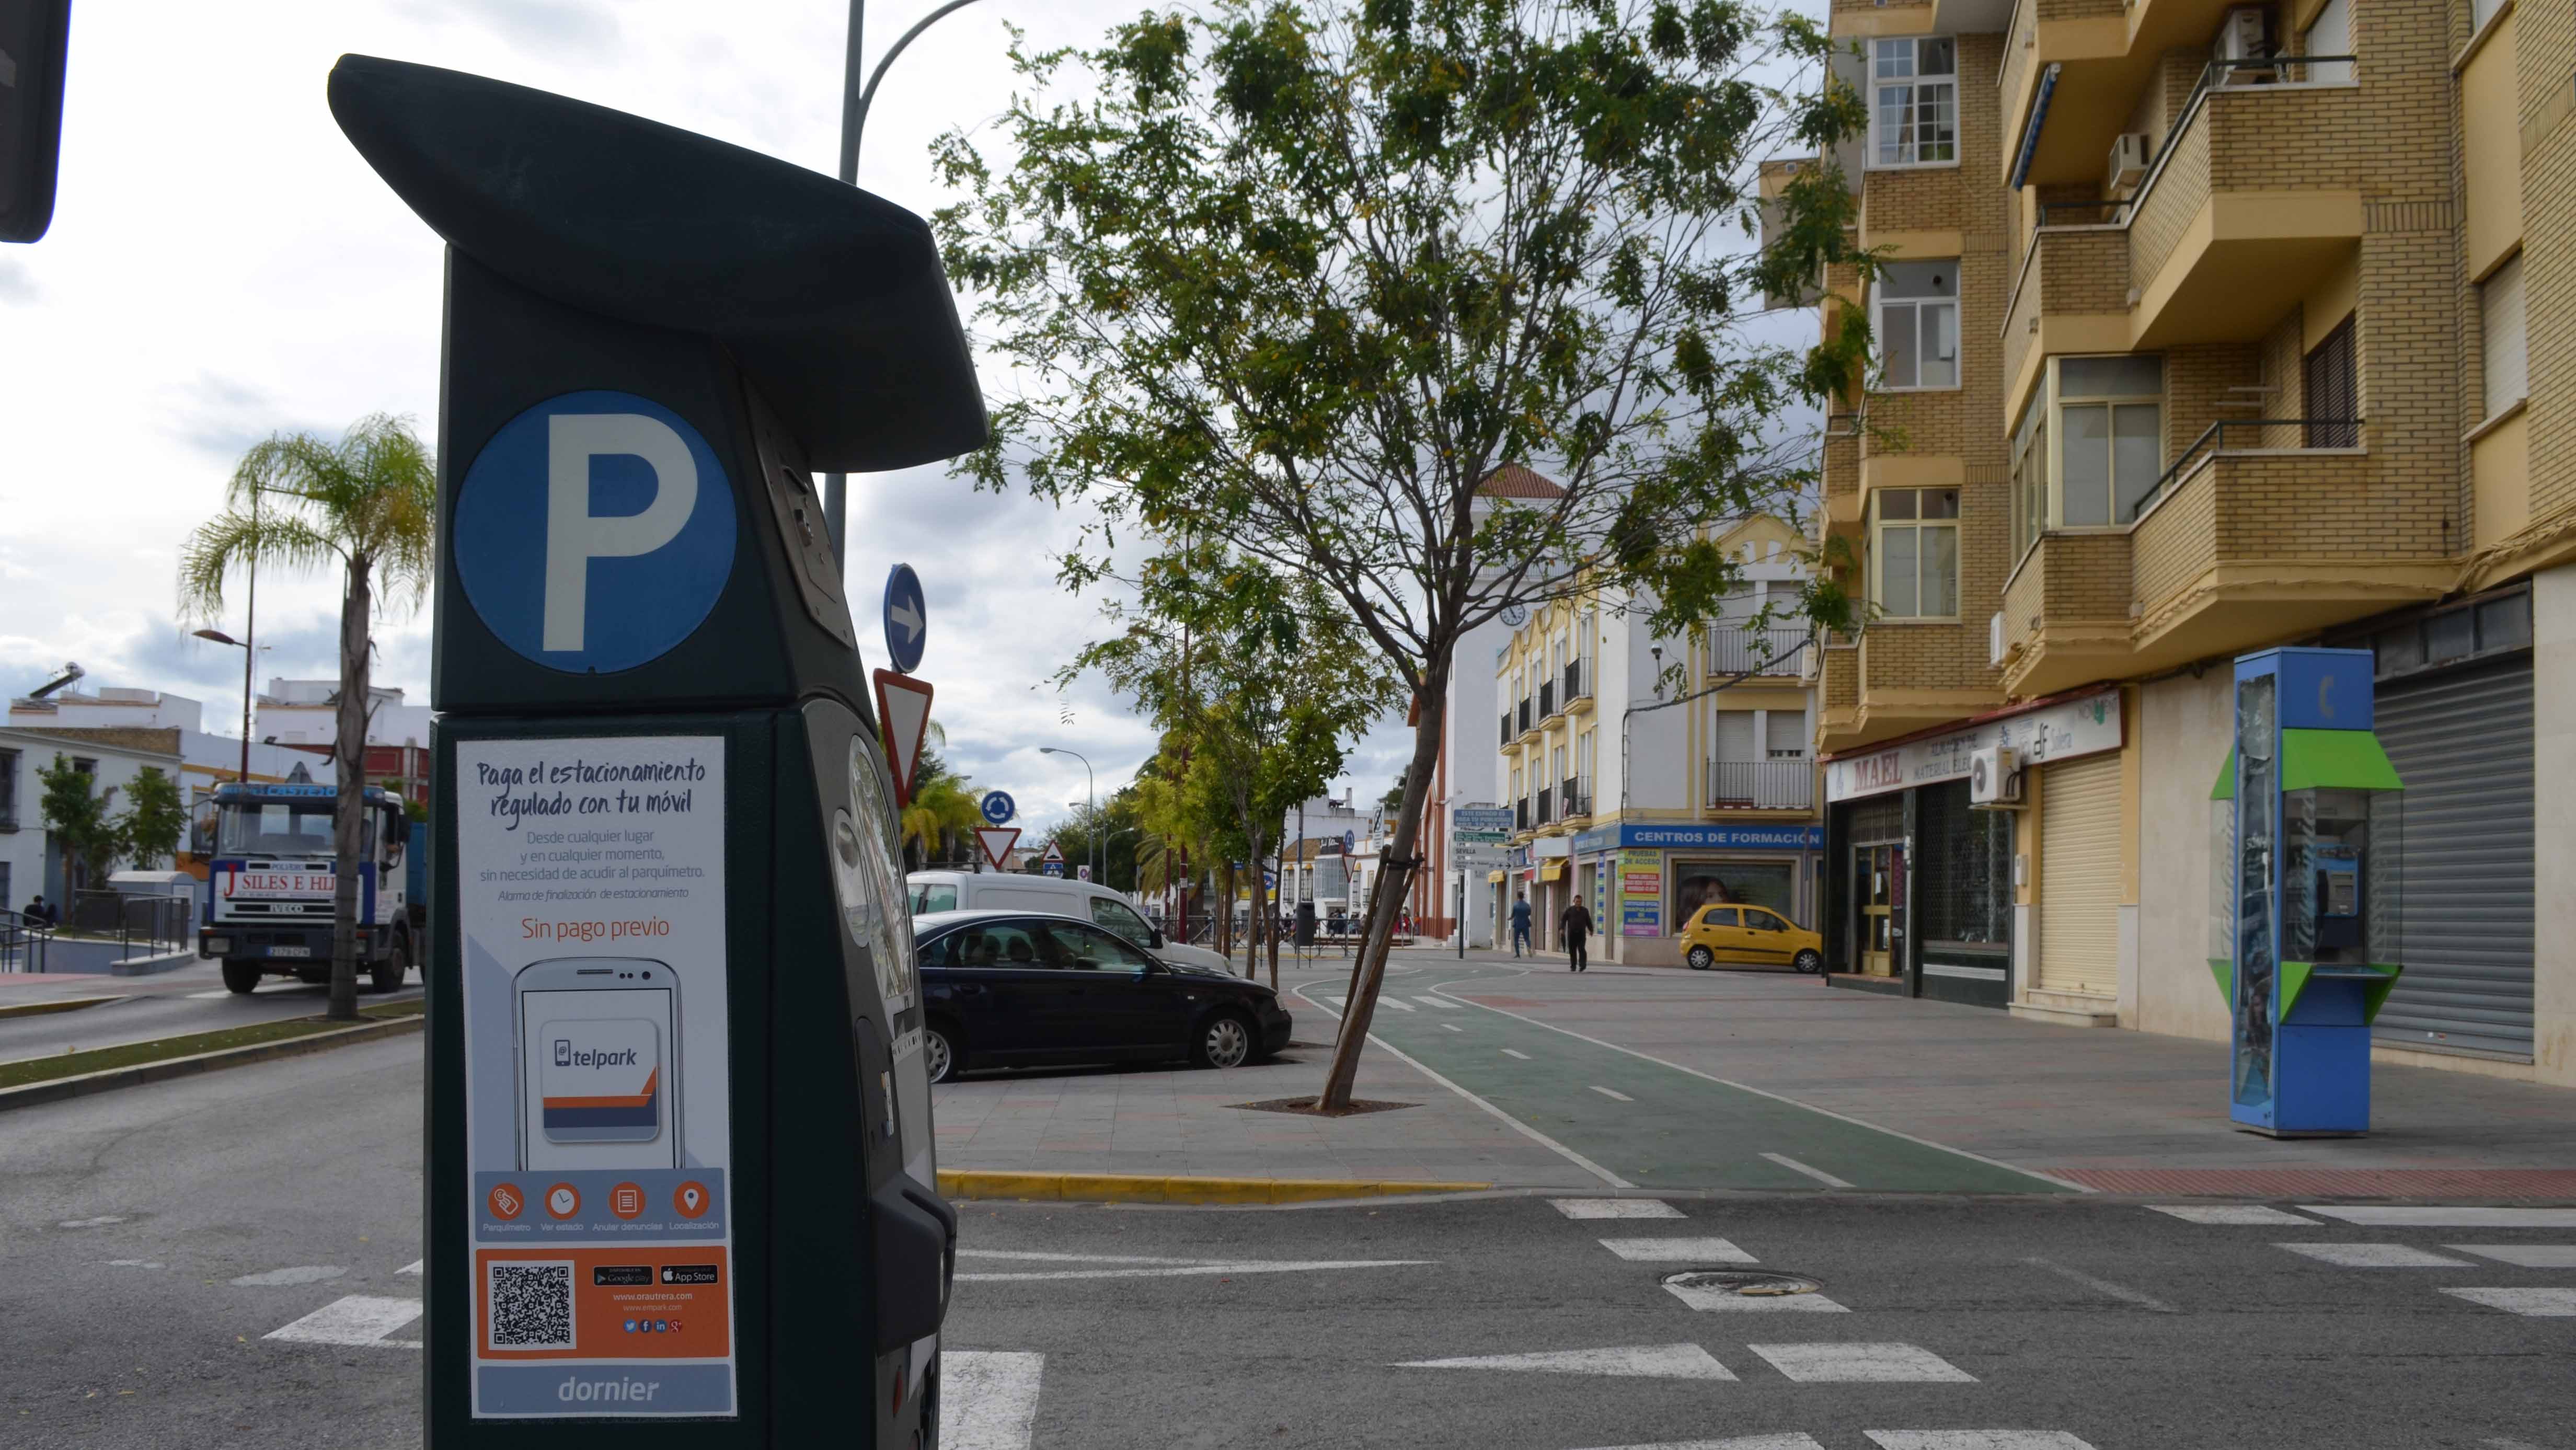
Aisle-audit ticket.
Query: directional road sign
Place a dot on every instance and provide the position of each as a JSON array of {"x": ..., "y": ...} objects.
[
  {"x": 998, "y": 807},
  {"x": 903, "y": 710},
  {"x": 1350, "y": 842},
  {"x": 907, "y": 618},
  {"x": 997, "y": 842},
  {"x": 1052, "y": 868}
]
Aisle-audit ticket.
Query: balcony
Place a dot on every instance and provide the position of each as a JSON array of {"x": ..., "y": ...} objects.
[
  {"x": 1507, "y": 728},
  {"x": 1762, "y": 785},
  {"x": 1547, "y": 699},
  {"x": 1769, "y": 650},
  {"x": 2106, "y": 53},
  {"x": 1528, "y": 718},
  {"x": 1546, "y": 805},
  {"x": 2261, "y": 530},
  {"x": 1521, "y": 814},
  {"x": 1575, "y": 800},
  {"x": 1578, "y": 684}
]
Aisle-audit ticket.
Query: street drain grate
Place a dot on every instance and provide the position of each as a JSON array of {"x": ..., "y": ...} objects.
[{"x": 1751, "y": 1283}]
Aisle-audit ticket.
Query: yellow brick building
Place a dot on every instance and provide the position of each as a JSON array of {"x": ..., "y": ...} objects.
[{"x": 2203, "y": 328}]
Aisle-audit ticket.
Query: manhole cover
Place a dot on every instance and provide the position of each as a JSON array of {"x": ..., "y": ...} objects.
[{"x": 1751, "y": 1283}]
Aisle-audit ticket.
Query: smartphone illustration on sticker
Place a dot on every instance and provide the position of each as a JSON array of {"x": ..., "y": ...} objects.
[{"x": 599, "y": 1063}]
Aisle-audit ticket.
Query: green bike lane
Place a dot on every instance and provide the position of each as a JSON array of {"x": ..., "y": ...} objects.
[{"x": 1644, "y": 1123}]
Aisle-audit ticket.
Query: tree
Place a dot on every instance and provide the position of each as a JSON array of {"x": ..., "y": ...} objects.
[
  {"x": 154, "y": 820},
  {"x": 367, "y": 505},
  {"x": 1300, "y": 275},
  {"x": 944, "y": 812},
  {"x": 74, "y": 811}
]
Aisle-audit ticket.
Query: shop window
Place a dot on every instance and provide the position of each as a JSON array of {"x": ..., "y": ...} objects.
[
  {"x": 1915, "y": 116},
  {"x": 1914, "y": 552},
  {"x": 1698, "y": 884},
  {"x": 1917, "y": 325},
  {"x": 2500, "y": 318},
  {"x": 1963, "y": 862}
]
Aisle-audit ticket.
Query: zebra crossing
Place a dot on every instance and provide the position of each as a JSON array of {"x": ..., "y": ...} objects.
[{"x": 2531, "y": 1301}]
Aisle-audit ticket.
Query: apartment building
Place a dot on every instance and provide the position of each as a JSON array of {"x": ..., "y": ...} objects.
[
  {"x": 2201, "y": 328},
  {"x": 1649, "y": 777}
]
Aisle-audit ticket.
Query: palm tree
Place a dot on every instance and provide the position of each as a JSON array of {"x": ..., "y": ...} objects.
[
  {"x": 943, "y": 805},
  {"x": 369, "y": 505}
]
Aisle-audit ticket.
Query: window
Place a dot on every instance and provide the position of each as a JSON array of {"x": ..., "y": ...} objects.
[
  {"x": 8, "y": 790},
  {"x": 2333, "y": 386},
  {"x": 1007, "y": 946},
  {"x": 1718, "y": 916},
  {"x": 2030, "y": 471},
  {"x": 1785, "y": 735},
  {"x": 1089, "y": 949},
  {"x": 2110, "y": 420},
  {"x": 1116, "y": 916},
  {"x": 2480, "y": 12},
  {"x": 2329, "y": 34},
  {"x": 1918, "y": 325},
  {"x": 1757, "y": 919},
  {"x": 2500, "y": 319},
  {"x": 1915, "y": 552},
  {"x": 933, "y": 898},
  {"x": 1916, "y": 113}
]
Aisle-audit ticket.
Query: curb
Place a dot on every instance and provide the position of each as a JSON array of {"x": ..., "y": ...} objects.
[
  {"x": 1158, "y": 1188},
  {"x": 56, "y": 1090},
  {"x": 39, "y": 1009}
]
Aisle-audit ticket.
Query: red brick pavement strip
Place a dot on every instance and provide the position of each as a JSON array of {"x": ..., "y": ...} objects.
[{"x": 2477, "y": 1183}]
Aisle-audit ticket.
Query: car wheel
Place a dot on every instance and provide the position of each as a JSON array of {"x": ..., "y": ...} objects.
[
  {"x": 1224, "y": 1040},
  {"x": 1809, "y": 962},
  {"x": 1701, "y": 959},
  {"x": 388, "y": 974},
  {"x": 938, "y": 1053},
  {"x": 241, "y": 976}
]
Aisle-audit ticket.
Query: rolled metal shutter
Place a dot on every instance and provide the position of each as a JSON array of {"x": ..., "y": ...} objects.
[
  {"x": 2079, "y": 877},
  {"x": 2462, "y": 742}
]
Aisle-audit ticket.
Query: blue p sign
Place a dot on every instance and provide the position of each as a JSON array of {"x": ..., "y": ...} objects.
[{"x": 594, "y": 532}]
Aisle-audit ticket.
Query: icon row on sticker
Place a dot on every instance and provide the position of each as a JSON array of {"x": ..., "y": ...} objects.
[
  {"x": 652, "y": 1326},
  {"x": 626, "y": 1200}
]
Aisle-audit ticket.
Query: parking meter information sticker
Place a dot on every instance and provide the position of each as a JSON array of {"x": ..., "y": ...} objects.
[{"x": 591, "y": 896}]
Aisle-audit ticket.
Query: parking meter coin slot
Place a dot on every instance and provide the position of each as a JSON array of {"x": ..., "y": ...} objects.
[{"x": 801, "y": 525}]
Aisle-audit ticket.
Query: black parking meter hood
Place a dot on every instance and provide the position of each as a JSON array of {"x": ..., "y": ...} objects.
[{"x": 832, "y": 300}]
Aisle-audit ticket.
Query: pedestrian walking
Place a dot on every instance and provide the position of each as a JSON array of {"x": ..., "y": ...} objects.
[
  {"x": 1576, "y": 924},
  {"x": 1520, "y": 922}
]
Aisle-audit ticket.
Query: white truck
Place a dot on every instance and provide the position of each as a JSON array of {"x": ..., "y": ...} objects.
[{"x": 271, "y": 888}]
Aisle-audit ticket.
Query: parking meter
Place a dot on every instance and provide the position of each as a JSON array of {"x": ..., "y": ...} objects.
[
  {"x": 2306, "y": 891},
  {"x": 679, "y": 1141}
]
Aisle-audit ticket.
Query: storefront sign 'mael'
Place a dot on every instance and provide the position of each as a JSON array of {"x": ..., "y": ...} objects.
[{"x": 2062, "y": 731}]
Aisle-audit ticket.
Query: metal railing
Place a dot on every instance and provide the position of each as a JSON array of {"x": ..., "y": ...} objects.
[
  {"x": 22, "y": 942},
  {"x": 1546, "y": 699},
  {"x": 1578, "y": 683},
  {"x": 1527, "y": 719},
  {"x": 154, "y": 924},
  {"x": 1770, "y": 650},
  {"x": 1546, "y": 804},
  {"x": 1521, "y": 814},
  {"x": 1762, "y": 785},
  {"x": 2251, "y": 434},
  {"x": 2218, "y": 75},
  {"x": 1507, "y": 728},
  {"x": 1576, "y": 798}
]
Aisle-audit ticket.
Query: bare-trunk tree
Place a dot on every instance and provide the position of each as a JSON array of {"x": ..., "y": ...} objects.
[{"x": 349, "y": 812}]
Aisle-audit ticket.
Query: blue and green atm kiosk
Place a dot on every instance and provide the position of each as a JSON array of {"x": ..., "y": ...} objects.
[
  {"x": 2306, "y": 893},
  {"x": 681, "y": 1189}
]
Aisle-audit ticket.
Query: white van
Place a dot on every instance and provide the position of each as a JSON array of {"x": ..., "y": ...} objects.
[{"x": 1061, "y": 895}]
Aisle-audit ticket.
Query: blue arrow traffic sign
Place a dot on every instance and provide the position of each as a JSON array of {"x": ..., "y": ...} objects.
[
  {"x": 907, "y": 618},
  {"x": 998, "y": 807},
  {"x": 1350, "y": 842},
  {"x": 594, "y": 532}
]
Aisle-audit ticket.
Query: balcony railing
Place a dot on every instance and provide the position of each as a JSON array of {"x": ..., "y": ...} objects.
[
  {"x": 1762, "y": 785},
  {"x": 1546, "y": 804},
  {"x": 1576, "y": 798},
  {"x": 1507, "y": 728},
  {"x": 1527, "y": 719},
  {"x": 1546, "y": 698},
  {"x": 1521, "y": 814},
  {"x": 1578, "y": 683},
  {"x": 2229, "y": 435},
  {"x": 1771, "y": 650}
]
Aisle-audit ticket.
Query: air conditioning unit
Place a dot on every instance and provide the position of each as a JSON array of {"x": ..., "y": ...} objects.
[
  {"x": 1994, "y": 777},
  {"x": 2128, "y": 162},
  {"x": 2241, "y": 36}
]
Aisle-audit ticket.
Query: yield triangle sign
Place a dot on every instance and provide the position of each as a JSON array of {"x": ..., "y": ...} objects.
[
  {"x": 903, "y": 712},
  {"x": 997, "y": 842}
]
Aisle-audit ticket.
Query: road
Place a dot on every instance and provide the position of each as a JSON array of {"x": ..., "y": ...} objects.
[
  {"x": 192, "y": 999},
  {"x": 163, "y": 1238}
]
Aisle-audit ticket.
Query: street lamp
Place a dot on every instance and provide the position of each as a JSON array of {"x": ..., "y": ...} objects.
[
  {"x": 248, "y": 655},
  {"x": 1090, "y": 796}
]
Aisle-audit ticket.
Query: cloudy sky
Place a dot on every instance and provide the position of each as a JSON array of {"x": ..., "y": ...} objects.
[{"x": 222, "y": 265}]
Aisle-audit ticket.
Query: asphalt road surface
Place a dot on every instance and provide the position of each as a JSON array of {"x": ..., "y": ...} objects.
[
  {"x": 190, "y": 1000},
  {"x": 232, "y": 1260}
]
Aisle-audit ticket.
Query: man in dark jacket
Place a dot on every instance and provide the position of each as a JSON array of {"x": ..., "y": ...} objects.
[
  {"x": 1576, "y": 922},
  {"x": 1520, "y": 923}
]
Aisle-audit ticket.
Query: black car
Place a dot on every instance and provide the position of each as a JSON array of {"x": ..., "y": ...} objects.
[{"x": 1008, "y": 987}]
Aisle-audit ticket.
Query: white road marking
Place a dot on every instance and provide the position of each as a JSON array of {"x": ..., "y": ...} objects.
[
  {"x": 2529, "y": 1256},
  {"x": 1517, "y": 1126},
  {"x": 1044, "y": 1256},
  {"x": 1642, "y": 1361},
  {"x": 299, "y": 1274},
  {"x": 1976, "y": 1440},
  {"x": 2530, "y": 1303},
  {"x": 2228, "y": 1213},
  {"x": 2065, "y": 1183},
  {"x": 988, "y": 1400},
  {"x": 1613, "y": 1096},
  {"x": 136, "y": 1264},
  {"x": 1338, "y": 1002},
  {"x": 102, "y": 1221},
  {"x": 1818, "y": 1174},
  {"x": 2376, "y": 1256},
  {"x": 1451, "y": 1026},
  {"x": 1885, "y": 1364},
  {"x": 1441, "y": 1003},
  {"x": 262, "y": 990},
  {"x": 1725, "y": 1301},
  {"x": 411, "y": 1268},
  {"x": 1512, "y": 1052},
  {"x": 1188, "y": 1269},
  {"x": 2417, "y": 1217},
  {"x": 1794, "y": 1440},
  {"x": 1614, "y": 1208},
  {"x": 1678, "y": 1251},
  {"x": 359, "y": 1319},
  {"x": 1398, "y": 1003},
  {"x": 2121, "y": 1292}
]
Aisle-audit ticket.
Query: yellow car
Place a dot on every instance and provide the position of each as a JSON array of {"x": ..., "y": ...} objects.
[{"x": 1750, "y": 936}]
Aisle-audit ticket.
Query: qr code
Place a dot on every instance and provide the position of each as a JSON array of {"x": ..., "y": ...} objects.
[{"x": 531, "y": 1305}]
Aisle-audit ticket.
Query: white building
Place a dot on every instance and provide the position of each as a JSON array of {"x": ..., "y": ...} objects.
[
  {"x": 306, "y": 712},
  {"x": 206, "y": 758},
  {"x": 30, "y": 860}
]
